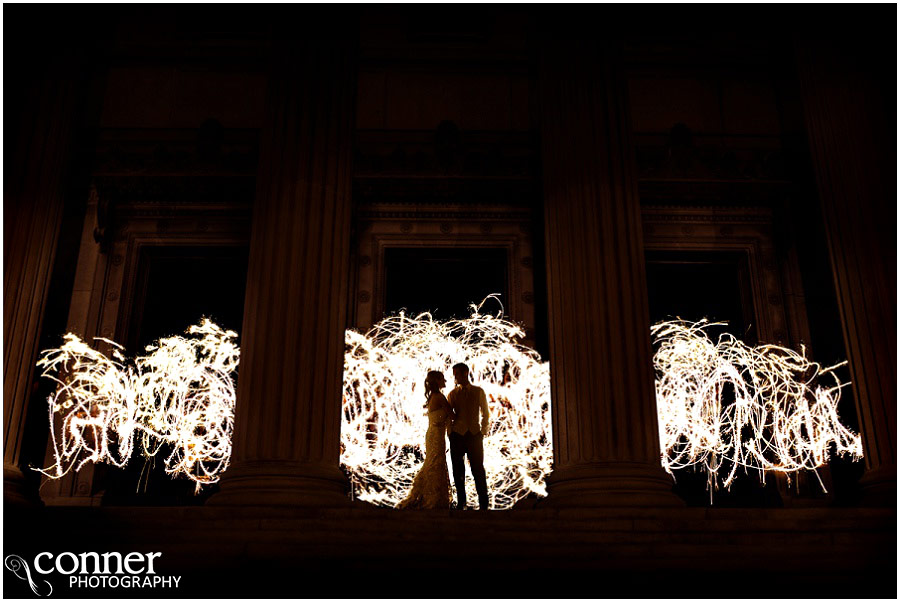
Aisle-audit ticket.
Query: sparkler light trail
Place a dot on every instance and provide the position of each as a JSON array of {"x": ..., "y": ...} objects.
[
  {"x": 723, "y": 407},
  {"x": 727, "y": 407},
  {"x": 181, "y": 394},
  {"x": 384, "y": 421}
]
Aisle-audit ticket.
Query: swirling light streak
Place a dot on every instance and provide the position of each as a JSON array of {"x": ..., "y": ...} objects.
[
  {"x": 723, "y": 407},
  {"x": 384, "y": 422},
  {"x": 727, "y": 407},
  {"x": 181, "y": 394}
]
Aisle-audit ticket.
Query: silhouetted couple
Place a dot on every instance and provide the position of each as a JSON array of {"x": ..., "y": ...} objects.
[{"x": 465, "y": 416}]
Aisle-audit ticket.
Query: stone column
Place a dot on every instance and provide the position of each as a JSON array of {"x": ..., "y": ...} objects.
[
  {"x": 605, "y": 433},
  {"x": 34, "y": 196},
  {"x": 849, "y": 115},
  {"x": 287, "y": 421}
]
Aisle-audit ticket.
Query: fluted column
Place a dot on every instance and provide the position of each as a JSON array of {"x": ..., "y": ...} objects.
[
  {"x": 34, "y": 196},
  {"x": 849, "y": 116},
  {"x": 287, "y": 421},
  {"x": 605, "y": 434}
]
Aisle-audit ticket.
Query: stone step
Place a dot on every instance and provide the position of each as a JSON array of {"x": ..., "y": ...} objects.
[
  {"x": 499, "y": 524},
  {"x": 318, "y": 532},
  {"x": 291, "y": 546},
  {"x": 371, "y": 513},
  {"x": 365, "y": 510}
]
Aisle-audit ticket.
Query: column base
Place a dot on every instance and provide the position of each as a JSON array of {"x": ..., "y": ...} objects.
[
  {"x": 16, "y": 491},
  {"x": 281, "y": 483},
  {"x": 610, "y": 484},
  {"x": 879, "y": 487}
]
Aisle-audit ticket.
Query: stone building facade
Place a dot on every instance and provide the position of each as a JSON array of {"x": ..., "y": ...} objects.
[{"x": 303, "y": 146}]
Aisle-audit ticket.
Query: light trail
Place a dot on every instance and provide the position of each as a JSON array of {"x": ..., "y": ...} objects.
[
  {"x": 384, "y": 422},
  {"x": 181, "y": 394},
  {"x": 727, "y": 408}
]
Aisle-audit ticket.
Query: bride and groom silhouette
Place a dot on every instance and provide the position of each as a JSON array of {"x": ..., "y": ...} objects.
[{"x": 458, "y": 416}]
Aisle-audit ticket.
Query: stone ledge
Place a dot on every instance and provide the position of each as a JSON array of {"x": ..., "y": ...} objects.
[{"x": 829, "y": 548}]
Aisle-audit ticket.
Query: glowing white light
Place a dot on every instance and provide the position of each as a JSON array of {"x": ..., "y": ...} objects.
[
  {"x": 723, "y": 407},
  {"x": 781, "y": 419},
  {"x": 181, "y": 393},
  {"x": 384, "y": 421}
]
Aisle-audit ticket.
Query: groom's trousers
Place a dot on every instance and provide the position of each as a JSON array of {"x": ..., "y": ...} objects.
[{"x": 470, "y": 445}]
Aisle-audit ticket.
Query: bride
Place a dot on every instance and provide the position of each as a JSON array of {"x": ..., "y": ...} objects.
[{"x": 431, "y": 487}]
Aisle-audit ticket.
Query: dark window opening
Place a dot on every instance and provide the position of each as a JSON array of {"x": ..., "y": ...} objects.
[
  {"x": 175, "y": 288},
  {"x": 713, "y": 285},
  {"x": 444, "y": 281},
  {"x": 695, "y": 285}
]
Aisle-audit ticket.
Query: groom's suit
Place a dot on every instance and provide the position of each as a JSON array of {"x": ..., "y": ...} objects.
[{"x": 466, "y": 434}]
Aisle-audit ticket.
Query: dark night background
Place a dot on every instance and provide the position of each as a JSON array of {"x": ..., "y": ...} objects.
[{"x": 160, "y": 111}]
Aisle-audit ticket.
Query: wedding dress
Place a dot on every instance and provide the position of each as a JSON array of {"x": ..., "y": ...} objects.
[{"x": 431, "y": 487}]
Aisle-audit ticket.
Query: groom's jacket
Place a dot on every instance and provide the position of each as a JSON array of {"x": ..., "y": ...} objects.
[{"x": 469, "y": 401}]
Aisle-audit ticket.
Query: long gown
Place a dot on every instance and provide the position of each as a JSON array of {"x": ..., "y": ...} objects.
[{"x": 431, "y": 487}]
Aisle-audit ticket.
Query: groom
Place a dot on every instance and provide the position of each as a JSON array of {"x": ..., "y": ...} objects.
[{"x": 466, "y": 435}]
